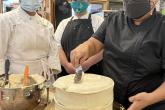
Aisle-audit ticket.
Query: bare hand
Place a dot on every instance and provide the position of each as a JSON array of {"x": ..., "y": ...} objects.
[
  {"x": 70, "y": 68},
  {"x": 140, "y": 101},
  {"x": 85, "y": 65},
  {"x": 79, "y": 55}
]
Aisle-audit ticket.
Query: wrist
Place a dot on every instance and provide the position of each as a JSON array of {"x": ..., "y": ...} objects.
[
  {"x": 153, "y": 98},
  {"x": 66, "y": 64},
  {"x": 87, "y": 62}
]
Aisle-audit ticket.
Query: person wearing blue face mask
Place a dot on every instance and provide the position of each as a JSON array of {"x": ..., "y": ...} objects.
[
  {"x": 134, "y": 54},
  {"x": 75, "y": 30},
  {"x": 30, "y": 5},
  {"x": 26, "y": 39},
  {"x": 79, "y": 6}
]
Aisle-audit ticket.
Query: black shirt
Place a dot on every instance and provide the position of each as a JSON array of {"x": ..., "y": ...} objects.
[{"x": 134, "y": 56}]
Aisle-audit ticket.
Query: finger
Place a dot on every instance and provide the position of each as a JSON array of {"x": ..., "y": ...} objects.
[
  {"x": 134, "y": 106},
  {"x": 72, "y": 55},
  {"x": 135, "y": 98},
  {"x": 75, "y": 58},
  {"x": 72, "y": 73},
  {"x": 82, "y": 60},
  {"x": 140, "y": 96},
  {"x": 77, "y": 61},
  {"x": 131, "y": 99}
]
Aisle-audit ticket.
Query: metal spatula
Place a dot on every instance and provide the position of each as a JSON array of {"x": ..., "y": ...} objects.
[
  {"x": 7, "y": 66},
  {"x": 78, "y": 75},
  {"x": 5, "y": 77}
]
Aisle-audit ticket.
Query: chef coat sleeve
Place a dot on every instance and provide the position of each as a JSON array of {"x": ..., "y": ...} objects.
[
  {"x": 59, "y": 32},
  {"x": 53, "y": 58},
  {"x": 5, "y": 33}
]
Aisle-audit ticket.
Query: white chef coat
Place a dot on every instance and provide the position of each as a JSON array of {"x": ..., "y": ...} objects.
[
  {"x": 27, "y": 40},
  {"x": 96, "y": 22}
]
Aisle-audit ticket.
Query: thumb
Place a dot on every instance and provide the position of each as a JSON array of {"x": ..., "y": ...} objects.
[
  {"x": 136, "y": 97},
  {"x": 132, "y": 99},
  {"x": 83, "y": 59},
  {"x": 133, "y": 106}
]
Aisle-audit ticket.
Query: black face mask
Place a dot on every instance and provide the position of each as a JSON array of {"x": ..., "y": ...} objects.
[{"x": 136, "y": 8}]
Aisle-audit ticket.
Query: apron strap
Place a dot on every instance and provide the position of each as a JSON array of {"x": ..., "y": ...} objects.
[
  {"x": 72, "y": 18},
  {"x": 89, "y": 17}
]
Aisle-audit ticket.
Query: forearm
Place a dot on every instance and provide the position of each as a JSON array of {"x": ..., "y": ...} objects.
[
  {"x": 63, "y": 58},
  {"x": 94, "y": 46},
  {"x": 96, "y": 58},
  {"x": 159, "y": 94}
]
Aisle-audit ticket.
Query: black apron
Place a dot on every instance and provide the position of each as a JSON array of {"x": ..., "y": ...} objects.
[
  {"x": 76, "y": 32},
  {"x": 132, "y": 59}
]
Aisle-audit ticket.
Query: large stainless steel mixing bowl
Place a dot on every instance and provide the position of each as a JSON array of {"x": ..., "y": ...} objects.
[{"x": 25, "y": 98}]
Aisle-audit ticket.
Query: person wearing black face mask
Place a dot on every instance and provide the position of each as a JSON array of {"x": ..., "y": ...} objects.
[
  {"x": 62, "y": 10},
  {"x": 134, "y": 54}
]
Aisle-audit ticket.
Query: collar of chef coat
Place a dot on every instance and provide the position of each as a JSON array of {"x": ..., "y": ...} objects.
[
  {"x": 82, "y": 17},
  {"x": 26, "y": 17}
]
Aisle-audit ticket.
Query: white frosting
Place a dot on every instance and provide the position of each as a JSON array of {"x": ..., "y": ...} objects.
[{"x": 94, "y": 93}]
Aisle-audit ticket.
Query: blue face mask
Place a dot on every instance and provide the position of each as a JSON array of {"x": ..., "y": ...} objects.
[
  {"x": 79, "y": 6},
  {"x": 31, "y": 5}
]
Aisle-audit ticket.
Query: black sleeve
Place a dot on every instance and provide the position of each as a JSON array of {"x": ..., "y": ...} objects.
[
  {"x": 163, "y": 49},
  {"x": 101, "y": 32},
  {"x": 163, "y": 59}
]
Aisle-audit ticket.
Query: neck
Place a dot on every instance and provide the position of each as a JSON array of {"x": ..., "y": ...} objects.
[
  {"x": 30, "y": 13},
  {"x": 142, "y": 19},
  {"x": 81, "y": 14}
]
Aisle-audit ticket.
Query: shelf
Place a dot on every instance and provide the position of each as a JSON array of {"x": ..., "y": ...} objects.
[
  {"x": 105, "y": 3},
  {"x": 117, "y": 1}
]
